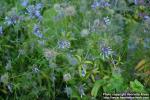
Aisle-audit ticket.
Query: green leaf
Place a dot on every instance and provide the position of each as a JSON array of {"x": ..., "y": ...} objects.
[
  {"x": 78, "y": 57},
  {"x": 115, "y": 83},
  {"x": 136, "y": 86},
  {"x": 93, "y": 79},
  {"x": 80, "y": 70},
  {"x": 88, "y": 62},
  {"x": 96, "y": 87},
  {"x": 3, "y": 91}
]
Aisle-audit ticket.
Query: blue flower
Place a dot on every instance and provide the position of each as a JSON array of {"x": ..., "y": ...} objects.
[
  {"x": 1, "y": 30},
  {"x": 68, "y": 91},
  {"x": 107, "y": 20},
  {"x": 25, "y": 3},
  {"x": 11, "y": 20},
  {"x": 35, "y": 70},
  {"x": 72, "y": 60},
  {"x": 36, "y": 31},
  {"x": 83, "y": 73},
  {"x": 95, "y": 5},
  {"x": 106, "y": 4},
  {"x": 34, "y": 11},
  {"x": 100, "y": 4},
  {"x": 135, "y": 2},
  {"x": 39, "y": 6},
  {"x": 81, "y": 90},
  {"x": 63, "y": 44},
  {"x": 31, "y": 11},
  {"x": 106, "y": 51},
  {"x": 38, "y": 15}
]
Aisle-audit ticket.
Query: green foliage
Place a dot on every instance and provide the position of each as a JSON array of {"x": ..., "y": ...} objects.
[
  {"x": 136, "y": 86},
  {"x": 96, "y": 87},
  {"x": 115, "y": 84},
  {"x": 73, "y": 49}
]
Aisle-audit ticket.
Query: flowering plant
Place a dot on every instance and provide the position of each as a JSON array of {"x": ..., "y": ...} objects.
[{"x": 73, "y": 49}]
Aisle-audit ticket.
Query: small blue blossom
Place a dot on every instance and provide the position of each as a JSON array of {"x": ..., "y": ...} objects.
[
  {"x": 72, "y": 60},
  {"x": 31, "y": 11},
  {"x": 106, "y": 51},
  {"x": 68, "y": 91},
  {"x": 36, "y": 31},
  {"x": 83, "y": 73},
  {"x": 107, "y": 20},
  {"x": 95, "y": 5},
  {"x": 24, "y": 3},
  {"x": 63, "y": 44},
  {"x": 34, "y": 11},
  {"x": 100, "y": 4},
  {"x": 81, "y": 90},
  {"x": 1, "y": 30},
  {"x": 135, "y": 2},
  {"x": 39, "y": 6},
  {"x": 35, "y": 70},
  {"x": 106, "y": 4},
  {"x": 11, "y": 20}
]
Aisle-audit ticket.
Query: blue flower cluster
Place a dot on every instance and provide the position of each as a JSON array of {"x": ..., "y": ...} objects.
[
  {"x": 64, "y": 44},
  {"x": 100, "y": 4},
  {"x": 36, "y": 31},
  {"x": 13, "y": 19},
  {"x": 73, "y": 58},
  {"x": 106, "y": 51},
  {"x": 34, "y": 11},
  {"x": 25, "y": 3}
]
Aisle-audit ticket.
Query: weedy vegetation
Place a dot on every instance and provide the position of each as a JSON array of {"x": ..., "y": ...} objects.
[{"x": 73, "y": 49}]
